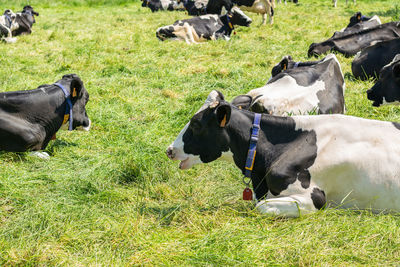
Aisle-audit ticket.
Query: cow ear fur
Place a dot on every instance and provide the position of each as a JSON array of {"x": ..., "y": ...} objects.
[
  {"x": 76, "y": 87},
  {"x": 396, "y": 70},
  {"x": 223, "y": 113}
]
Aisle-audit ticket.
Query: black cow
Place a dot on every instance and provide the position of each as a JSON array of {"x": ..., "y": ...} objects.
[
  {"x": 29, "y": 119},
  {"x": 350, "y": 44},
  {"x": 302, "y": 162},
  {"x": 25, "y": 20},
  {"x": 203, "y": 28},
  {"x": 372, "y": 59},
  {"x": 387, "y": 88},
  {"x": 262, "y": 7},
  {"x": 299, "y": 88},
  {"x": 156, "y": 5},
  {"x": 195, "y": 7}
]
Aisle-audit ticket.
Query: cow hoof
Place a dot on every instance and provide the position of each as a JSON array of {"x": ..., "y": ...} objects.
[{"x": 38, "y": 154}]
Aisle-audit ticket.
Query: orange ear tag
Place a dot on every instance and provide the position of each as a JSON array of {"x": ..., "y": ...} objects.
[
  {"x": 223, "y": 122},
  {"x": 66, "y": 117},
  {"x": 74, "y": 92},
  {"x": 284, "y": 67}
]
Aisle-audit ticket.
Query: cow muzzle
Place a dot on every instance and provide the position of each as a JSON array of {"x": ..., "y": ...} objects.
[{"x": 187, "y": 161}]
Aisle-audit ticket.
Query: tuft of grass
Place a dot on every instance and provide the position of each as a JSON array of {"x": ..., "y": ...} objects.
[{"x": 111, "y": 196}]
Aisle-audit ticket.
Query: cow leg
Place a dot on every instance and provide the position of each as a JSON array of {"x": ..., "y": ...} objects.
[
  {"x": 264, "y": 18},
  {"x": 7, "y": 32},
  {"x": 271, "y": 15},
  {"x": 290, "y": 207},
  {"x": 189, "y": 35},
  {"x": 334, "y": 2}
]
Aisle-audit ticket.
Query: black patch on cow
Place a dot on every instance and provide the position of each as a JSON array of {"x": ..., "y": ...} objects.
[
  {"x": 318, "y": 197},
  {"x": 248, "y": 3},
  {"x": 372, "y": 59}
]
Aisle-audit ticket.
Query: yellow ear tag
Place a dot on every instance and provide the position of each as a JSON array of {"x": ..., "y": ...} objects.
[
  {"x": 240, "y": 107},
  {"x": 230, "y": 25},
  {"x": 74, "y": 92},
  {"x": 359, "y": 17},
  {"x": 223, "y": 122},
  {"x": 66, "y": 117},
  {"x": 284, "y": 67}
]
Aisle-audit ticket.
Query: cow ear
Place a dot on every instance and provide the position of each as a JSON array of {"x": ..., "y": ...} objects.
[
  {"x": 76, "y": 87},
  {"x": 223, "y": 113},
  {"x": 284, "y": 63},
  {"x": 396, "y": 70},
  {"x": 359, "y": 16}
]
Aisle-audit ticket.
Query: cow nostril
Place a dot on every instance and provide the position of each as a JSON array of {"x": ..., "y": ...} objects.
[{"x": 169, "y": 152}]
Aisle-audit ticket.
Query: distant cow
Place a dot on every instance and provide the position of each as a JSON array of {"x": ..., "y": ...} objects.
[
  {"x": 299, "y": 88},
  {"x": 156, "y": 5},
  {"x": 387, "y": 88},
  {"x": 29, "y": 119},
  {"x": 25, "y": 20},
  {"x": 294, "y": 1},
  {"x": 372, "y": 59},
  {"x": 195, "y": 7},
  {"x": 350, "y": 44},
  {"x": 262, "y": 7},
  {"x": 7, "y": 25},
  {"x": 335, "y": 2},
  {"x": 203, "y": 28},
  {"x": 302, "y": 163}
]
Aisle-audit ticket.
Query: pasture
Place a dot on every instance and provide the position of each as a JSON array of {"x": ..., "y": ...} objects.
[{"x": 111, "y": 196}]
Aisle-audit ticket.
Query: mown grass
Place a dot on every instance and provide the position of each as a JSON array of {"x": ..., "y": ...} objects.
[{"x": 111, "y": 197}]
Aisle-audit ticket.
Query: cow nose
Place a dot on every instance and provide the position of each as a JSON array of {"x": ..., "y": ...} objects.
[
  {"x": 170, "y": 152},
  {"x": 369, "y": 94}
]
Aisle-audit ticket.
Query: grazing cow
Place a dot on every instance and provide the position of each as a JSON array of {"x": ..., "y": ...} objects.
[
  {"x": 156, "y": 5},
  {"x": 195, "y": 7},
  {"x": 206, "y": 27},
  {"x": 262, "y": 7},
  {"x": 299, "y": 88},
  {"x": 371, "y": 60},
  {"x": 25, "y": 20},
  {"x": 350, "y": 44},
  {"x": 7, "y": 25},
  {"x": 335, "y": 2},
  {"x": 301, "y": 162},
  {"x": 358, "y": 22},
  {"x": 387, "y": 88},
  {"x": 30, "y": 119}
]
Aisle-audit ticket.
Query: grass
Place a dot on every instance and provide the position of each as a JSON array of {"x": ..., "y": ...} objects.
[{"x": 111, "y": 196}]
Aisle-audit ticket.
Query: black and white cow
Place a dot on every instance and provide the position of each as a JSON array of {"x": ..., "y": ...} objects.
[
  {"x": 195, "y": 7},
  {"x": 25, "y": 20},
  {"x": 294, "y": 1},
  {"x": 30, "y": 119},
  {"x": 352, "y": 43},
  {"x": 335, "y": 2},
  {"x": 262, "y": 7},
  {"x": 358, "y": 22},
  {"x": 372, "y": 59},
  {"x": 156, "y": 5},
  {"x": 299, "y": 88},
  {"x": 7, "y": 25},
  {"x": 302, "y": 162},
  {"x": 203, "y": 28},
  {"x": 387, "y": 88}
]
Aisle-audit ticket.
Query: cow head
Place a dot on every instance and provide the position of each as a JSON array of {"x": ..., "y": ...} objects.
[
  {"x": 144, "y": 3},
  {"x": 281, "y": 66},
  {"x": 29, "y": 10},
  {"x": 237, "y": 17},
  {"x": 204, "y": 138},
  {"x": 387, "y": 88},
  {"x": 357, "y": 18},
  {"x": 318, "y": 49},
  {"x": 79, "y": 100}
]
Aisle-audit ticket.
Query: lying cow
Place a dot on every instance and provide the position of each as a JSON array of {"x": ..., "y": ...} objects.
[
  {"x": 7, "y": 25},
  {"x": 203, "y": 28},
  {"x": 350, "y": 44},
  {"x": 156, "y": 5},
  {"x": 299, "y": 88},
  {"x": 358, "y": 22},
  {"x": 387, "y": 88},
  {"x": 302, "y": 162},
  {"x": 262, "y": 7},
  {"x": 30, "y": 119},
  {"x": 195, "y": 7},
  {"x": 372, "y": 59},
  {"x": 25, "y": 20}
]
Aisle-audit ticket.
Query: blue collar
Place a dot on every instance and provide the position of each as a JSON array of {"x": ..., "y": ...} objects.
[
  {"x": 68, "y": 109},
  {"x": 251, "y": 154},
  {"x": 230, "y": 25}
]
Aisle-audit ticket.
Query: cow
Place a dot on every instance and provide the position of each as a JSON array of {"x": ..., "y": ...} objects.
[
  {"x": 335, "y": 2},
  {"x": 195, "y": 7},
  {"x": 7, "y": 25},
  {"x": 294, "y": 1},
  {"x": 25, "y": 20},
  {"x": 262, "y": 7},
  {"x": 203, "y": 28},
  {"x": 30, "y": 119},
  {"x": 156, "y": 5},
  {"x": 358, "y": 22},
  {"x": 372, "y": 59},
  {"x": 302, "y": 163},
  {"x": 387, "y": 89},
  {"x": 350, "y": 44},
  {"x": 299, "y": 88}
]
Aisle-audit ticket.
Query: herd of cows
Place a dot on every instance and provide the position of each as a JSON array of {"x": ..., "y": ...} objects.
[{"x": 296, "y": 164}]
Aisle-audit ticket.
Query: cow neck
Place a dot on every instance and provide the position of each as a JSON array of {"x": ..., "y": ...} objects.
[
  {"x": 68, "y": 116},
  {"x": 274, "y": 131},
  {"x": 227, "y": 23}
]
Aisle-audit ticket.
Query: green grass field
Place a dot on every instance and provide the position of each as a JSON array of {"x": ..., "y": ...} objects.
[{"x": 111, "y": 197}]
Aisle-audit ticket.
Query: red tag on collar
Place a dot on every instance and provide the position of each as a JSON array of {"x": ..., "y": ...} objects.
[
  {"x": 53, "y": 137},
  {"x": 234, "y": 32},
  {"x": 247, "y": 194}
]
